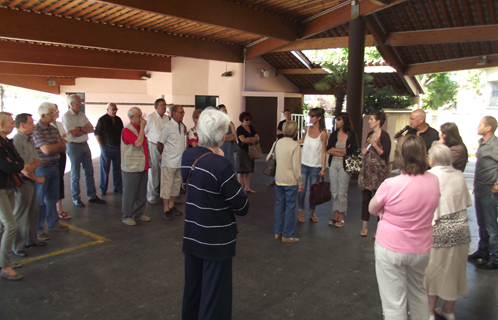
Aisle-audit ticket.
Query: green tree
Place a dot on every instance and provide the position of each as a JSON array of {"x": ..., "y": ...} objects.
[
  {"x": 382, "y": 98},
  {"x": 440, "y": 91}
]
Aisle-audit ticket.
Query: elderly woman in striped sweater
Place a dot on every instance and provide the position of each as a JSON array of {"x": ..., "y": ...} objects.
[{"x": 214, "y": 196}]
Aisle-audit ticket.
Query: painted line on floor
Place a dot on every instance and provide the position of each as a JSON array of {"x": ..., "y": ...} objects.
[{"x": 98, "y": 239}]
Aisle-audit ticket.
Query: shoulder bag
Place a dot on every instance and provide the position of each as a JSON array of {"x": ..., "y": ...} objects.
[
  {"x": 271, "y": 163},
  {"x": 320, "y": 192},
  {"x": 354, "y": 161},
  {"x": 255, "y": 151}
]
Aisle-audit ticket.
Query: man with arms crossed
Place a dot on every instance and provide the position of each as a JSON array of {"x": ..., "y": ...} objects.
[{"x": 78, "y": 127}]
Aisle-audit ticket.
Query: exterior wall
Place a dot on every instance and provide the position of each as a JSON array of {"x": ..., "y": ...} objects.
[{"x": 255, "y": 81}]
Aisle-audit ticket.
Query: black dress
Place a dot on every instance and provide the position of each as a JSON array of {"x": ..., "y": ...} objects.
[{"x": 244, "y": 164}]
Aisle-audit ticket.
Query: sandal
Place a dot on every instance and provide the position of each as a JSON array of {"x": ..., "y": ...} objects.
[
  {"x": 313, "y": 218},
  {"x": 301, "y": 218},
  {"x": 339, "y": 224},
  {"x": 364, "y": 231},
  {"x": 64, "y": 215},
  {"x": 332, "y": 222},
  {"x": 249, "y": 190}
]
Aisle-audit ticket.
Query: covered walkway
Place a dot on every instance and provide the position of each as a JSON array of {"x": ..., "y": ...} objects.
[{"x": 102, "y": 269}]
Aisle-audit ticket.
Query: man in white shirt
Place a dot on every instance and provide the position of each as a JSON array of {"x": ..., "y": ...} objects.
[
  {"x": 78, "y": 127},
  {"x": 155, "y": 121},
  {"x": 171, "y": 144}
]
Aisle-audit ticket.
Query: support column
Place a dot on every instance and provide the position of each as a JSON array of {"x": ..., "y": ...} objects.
[{"x": 356, "y": 63}]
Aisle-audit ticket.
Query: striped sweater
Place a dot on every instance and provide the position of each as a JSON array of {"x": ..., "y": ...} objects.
[{"x": 213, "y": 197}]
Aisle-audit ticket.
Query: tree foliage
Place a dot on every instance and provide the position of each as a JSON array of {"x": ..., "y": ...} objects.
[
  {"x": 440, "y": 91},
  {"x": 382, "y": 98}
]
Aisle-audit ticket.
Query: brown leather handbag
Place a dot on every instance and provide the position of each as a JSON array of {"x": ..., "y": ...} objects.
[
  {"x": 18, "y": 181},
  {"x": 255, "y": 151},
  {"x": 320, "y": 192}
]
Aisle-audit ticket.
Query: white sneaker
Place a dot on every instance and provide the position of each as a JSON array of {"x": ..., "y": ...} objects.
[
  {"x": 143, "y": 218},
  {"x": 129, "y": 222}
]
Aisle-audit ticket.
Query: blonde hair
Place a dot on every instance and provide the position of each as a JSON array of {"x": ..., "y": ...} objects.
[
  {"x": 196, "y": 113},
  {"x": 289, "y": 128},
  {"x": 4, "y": 116}
]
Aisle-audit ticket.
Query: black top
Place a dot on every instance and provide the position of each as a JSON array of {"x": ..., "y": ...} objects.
[
  {"x": 243, "y": 132},
  {"x": 280, "y": 126},
  {"x": 10, "y": 162},
  {"x": 213, "y": 197},
  {"x": 430, "y": 135},
  {"x": 109, "y": 132},
  {"x": 385, "y": 141},
  {"x": 351, "y": 145}
]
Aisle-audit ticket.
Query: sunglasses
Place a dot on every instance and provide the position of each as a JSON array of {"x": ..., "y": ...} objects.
[
  {"x": 247, "y": 119},
  {"x": 313, "y": 116}
]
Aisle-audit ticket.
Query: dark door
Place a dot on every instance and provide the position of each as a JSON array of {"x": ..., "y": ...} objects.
[{"x": 264, "y": 119}]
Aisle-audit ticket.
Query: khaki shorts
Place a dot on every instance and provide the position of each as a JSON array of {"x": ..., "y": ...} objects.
[{"x": 171, "y": 182}]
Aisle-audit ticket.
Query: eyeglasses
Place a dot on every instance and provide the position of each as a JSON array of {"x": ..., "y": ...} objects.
[
  {"x": 247, "y": 119},
  {"x": 182, "y": 112},
  {"x": 114, "y": 109},
  {"x": 313, "y": 115}
]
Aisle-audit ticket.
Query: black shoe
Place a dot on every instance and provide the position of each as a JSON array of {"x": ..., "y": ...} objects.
[
  {"x": 490, "y": 265},
  {"x": 78, "y": 203},
  {"x": 20, "y": 253},
  {"x": 118, "y": 191},
  {"x": 477, "y": 255},
  {"x": 168, "y": 216},
  {"x": 175, "y": 211},
  {"x": 96, "y": 200}
]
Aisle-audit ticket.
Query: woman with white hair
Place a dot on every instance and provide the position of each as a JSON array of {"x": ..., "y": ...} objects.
[
  {"x": 214, "y": 196},
  {"x": 446, "y": 273},
  {"x": 11, "y": 164}
]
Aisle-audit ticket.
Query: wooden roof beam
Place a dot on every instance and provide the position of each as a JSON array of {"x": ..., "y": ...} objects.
[
  {"x": 26, "y": 26},
  {"x": 437, "y": 36},
  {"x": 323, "y": 23},
  {"x": 453, "y": 65},
  {"x": 75, "y": 57},
  {"x": 220, "y": 13},
  {"x": 63, "y": 71},
  {"x": 302, "y": 71},
  {"x": 390, "y": 56},
  {"x": 322, "y": 43},
  {"x": 29, "y": 82}
]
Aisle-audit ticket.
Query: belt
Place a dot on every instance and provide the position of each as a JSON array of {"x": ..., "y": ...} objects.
[
  {"x": 114, "y": 147},
  {"x": 78, "y": 144},
  {"x": 49, "y": 163}
]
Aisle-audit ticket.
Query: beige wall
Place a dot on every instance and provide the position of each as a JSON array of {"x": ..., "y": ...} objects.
[{"x": 255, "y": 81}]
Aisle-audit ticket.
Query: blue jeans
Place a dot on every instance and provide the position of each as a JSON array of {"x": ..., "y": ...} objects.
[
  {"x": 310, "y": 174},
  {"x": 487, "y": 215},
  {"x": 108, "y": 155},
  {"x": 81, "y": 155},
  {"x": 285, "y": 206},
  {"x": 48, "y": 195}
]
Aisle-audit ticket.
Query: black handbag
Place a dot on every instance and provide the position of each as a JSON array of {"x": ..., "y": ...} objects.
[
  {"x": 271, "y": 163},
  {"x": 320, "y": 192}
]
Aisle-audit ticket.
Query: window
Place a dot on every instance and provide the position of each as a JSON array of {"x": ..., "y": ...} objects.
[
  {"x": 202, "y": 102},
  {"x": 493, "y": 101}
]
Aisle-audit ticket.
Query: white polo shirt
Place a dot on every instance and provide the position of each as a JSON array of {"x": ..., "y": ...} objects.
[
  {"x": 173, "y": 138},
  {"x": 71, "y": 121},
  {"x": 154, "y": 124}
]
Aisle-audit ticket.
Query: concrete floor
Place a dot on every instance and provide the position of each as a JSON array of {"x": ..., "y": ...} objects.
[{"x": 137, "y": 272}]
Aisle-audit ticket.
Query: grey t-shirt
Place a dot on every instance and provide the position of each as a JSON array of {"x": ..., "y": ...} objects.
[{"x": 486, "y": 166}]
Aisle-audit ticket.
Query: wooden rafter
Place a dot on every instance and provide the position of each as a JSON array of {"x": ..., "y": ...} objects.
[
  {"x": 25, "y": 25},
  {"x": 453, "y": 65},
  {"x": 29, "y": 82},
  {"x": 323, "y": 23},
  {"x": 63, "y": 71},
  {"x": 213, "y": 12},
  {"x": 451, "y": 35},
  {"x": 62, "y": 56},
  {"x": 323, "y": 43}
]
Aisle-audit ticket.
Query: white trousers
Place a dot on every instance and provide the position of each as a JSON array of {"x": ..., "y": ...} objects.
[
  {"x": 339, "y": 184},
  {"x": 154, "y": 180},
  {"x": 400, "y": 277}
]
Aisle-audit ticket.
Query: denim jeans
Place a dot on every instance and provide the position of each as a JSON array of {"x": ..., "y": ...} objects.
[
  {"x": 108, "y": 155},
  {"x": 285, "y": 206},
  {"x": 310, "y": 174},
  {"x": 48, "y": 195},
  {"x": 81, "y": 155},
  {"x": 487, "y": 215}
]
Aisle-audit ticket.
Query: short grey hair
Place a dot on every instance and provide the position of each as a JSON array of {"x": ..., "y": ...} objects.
[
  {"x": 72, "y": 98},
  {"x": 45, "y": 108},
  {"x": 131, "y": 112},
  {"x": 212, "y": 127},
  {"x": 440, "y": 155}
]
